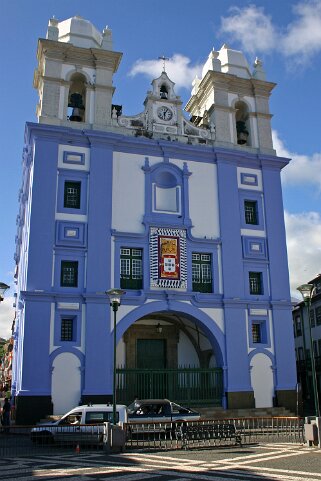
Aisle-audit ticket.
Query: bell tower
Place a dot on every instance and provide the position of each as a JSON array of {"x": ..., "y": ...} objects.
[
  {"x": 74, "y": 77},
  {"x": 235, "y": 100}
]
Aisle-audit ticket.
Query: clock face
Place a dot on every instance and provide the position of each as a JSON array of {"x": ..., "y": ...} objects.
[{"x": 164, "y": 113}]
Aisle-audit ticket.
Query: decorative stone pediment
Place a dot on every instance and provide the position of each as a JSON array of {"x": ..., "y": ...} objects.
[{"x": 163, "y": 116}]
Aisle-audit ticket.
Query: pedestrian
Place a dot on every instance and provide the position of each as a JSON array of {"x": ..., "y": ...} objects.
[{"x": 6, "y": 415}]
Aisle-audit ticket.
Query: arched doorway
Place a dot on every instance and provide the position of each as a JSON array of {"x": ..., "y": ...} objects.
[
  {"x": 169, "y": 355},
  {"x": 262, "y": 380},
  {"x": 66, "y": 382}
]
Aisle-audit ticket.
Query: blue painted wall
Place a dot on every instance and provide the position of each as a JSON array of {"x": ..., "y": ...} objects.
[{"x": 92, "y": 248}]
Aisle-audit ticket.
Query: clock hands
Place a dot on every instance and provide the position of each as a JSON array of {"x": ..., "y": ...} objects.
[{"x": 164, "y": 113}]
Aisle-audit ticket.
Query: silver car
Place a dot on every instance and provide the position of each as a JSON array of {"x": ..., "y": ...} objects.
[
  {"x": 83, "y": 424},
  {"x": 160, "y": 411}
]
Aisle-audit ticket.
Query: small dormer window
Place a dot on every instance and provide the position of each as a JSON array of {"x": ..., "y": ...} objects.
[
  {"x": 163, "y": 92},
  {"x": 242, "y": 123}
]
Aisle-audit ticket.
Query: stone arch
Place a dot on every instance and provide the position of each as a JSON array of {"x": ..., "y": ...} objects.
[
  {"x": 210, "y": 328},
  {"x": 70, "y": 73},
  {"x": 171, "y": 350}
]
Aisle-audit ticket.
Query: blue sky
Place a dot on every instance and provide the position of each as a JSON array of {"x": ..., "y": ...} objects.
[{"x": 285, "y": 35}]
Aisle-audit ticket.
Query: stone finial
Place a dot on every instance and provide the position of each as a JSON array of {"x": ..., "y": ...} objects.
[
  {"x": 216, "y": 63},
  {"x": 114, "y": 114},
  {"x": 258, "y": 72},
  {"x": 53, "y": 30},
  {"x": 195, "y": 84},
  {"x": 107, "y": 43}
]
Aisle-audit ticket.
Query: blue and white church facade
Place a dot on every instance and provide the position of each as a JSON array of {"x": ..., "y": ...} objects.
[{"x": 186, "y": 216}]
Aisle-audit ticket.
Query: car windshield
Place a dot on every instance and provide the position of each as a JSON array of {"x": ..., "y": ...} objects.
[
  {"x": 132, "y": 407},
  {"x": 176, "y": 408},
  {"x": 73, "y": 418}
]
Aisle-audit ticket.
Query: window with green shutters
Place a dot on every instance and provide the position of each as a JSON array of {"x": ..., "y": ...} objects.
[
  {"x": 131, "y": 268},
  {"x": 256, "y": 333},
  {"x": 69, "y": 274},
  {"x": 256, "y": 285},
  {"x": 250, "y": 212},
  {"x": 66, "y": 333},
  {"x": 72, "y": 195},
  {"x": 202, "y": 272}
]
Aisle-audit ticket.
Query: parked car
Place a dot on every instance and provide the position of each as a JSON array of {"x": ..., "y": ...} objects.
[
  {"x": 160, "y": 411},
  {"x": 83, "y": 424}
]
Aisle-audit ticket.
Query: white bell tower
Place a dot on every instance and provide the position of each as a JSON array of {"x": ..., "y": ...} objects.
[
  {"x": 74, "y": 77},
  {"x": 233, "y": 99}
]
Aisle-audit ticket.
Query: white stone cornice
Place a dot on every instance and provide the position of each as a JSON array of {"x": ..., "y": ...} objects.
[{"x": 68, "y": 53}]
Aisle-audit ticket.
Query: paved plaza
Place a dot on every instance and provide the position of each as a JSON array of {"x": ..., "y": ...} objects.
[{"x": 286, "y": 462}]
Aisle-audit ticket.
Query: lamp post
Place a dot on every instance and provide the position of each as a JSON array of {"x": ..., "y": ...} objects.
[
  {"x": 3, "y": 288},
  {"x": 114, "y": 297},
  {"x": 306, "y": 292}
]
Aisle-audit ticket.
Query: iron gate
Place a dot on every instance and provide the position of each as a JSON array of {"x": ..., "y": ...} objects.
[{"x": 190, "y": 386}]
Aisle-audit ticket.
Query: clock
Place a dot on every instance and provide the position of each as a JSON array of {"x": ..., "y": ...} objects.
[{"x": 164, "y": 113}]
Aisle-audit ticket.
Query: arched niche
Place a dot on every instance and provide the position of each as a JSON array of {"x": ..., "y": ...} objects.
[
  {"x": 166, "y": 199},
  {"x": 163, "y": 91},
  {"x": 242, "y": 123},
  {"x": 77, "y": 98}
]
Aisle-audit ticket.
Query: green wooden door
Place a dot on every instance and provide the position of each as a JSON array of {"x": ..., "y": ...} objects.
[
  {"x": 151, "y": 353},
  {"x": 151, "y": 356}
]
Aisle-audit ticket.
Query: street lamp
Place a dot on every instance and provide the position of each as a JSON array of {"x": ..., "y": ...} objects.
[
  {"x": 306, "y": 292},
  {"x": 3, "y": 288},
  {"x": 114, "y": 297}
]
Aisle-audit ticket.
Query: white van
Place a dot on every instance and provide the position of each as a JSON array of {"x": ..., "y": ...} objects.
[{"x": 83, "y": 424}]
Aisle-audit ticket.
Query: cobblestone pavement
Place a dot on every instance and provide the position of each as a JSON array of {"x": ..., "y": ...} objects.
[{"x": 284, "y": 462}]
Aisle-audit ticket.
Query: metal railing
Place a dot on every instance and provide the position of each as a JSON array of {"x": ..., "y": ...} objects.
[
  {"x": 17, "y": 440},
  {"x": 271, "y": 429},
  {"x": 187, "y": 385},
  {"x": 251, "y": 430}
]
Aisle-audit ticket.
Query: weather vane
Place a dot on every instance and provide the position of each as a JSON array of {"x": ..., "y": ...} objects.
[{"x": 164, "y": 60}]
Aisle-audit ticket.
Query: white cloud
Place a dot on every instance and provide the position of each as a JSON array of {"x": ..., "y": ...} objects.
[
  {"x": 6, "y": 317},
  {"x": 303, "y": 230},
  {"x": 303, "y": 36},
  {"x": 302, "y": 169},
  {"x": 251, "y": 27},
  {"x": 304, "y": 249},
  {"x": 254, "y": 30},
  {"x": 178, "y": 68}
]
